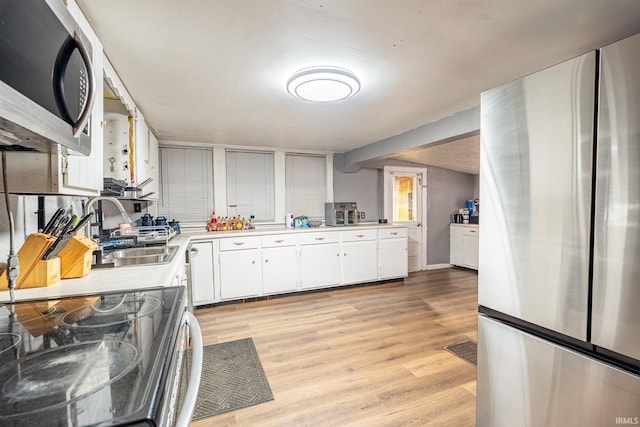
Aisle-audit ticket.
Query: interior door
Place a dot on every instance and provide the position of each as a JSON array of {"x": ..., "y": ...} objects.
[{"x": 405, "y": 203}]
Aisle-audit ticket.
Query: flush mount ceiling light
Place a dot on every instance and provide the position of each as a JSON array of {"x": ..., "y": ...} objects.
[{"x": 323, "y": 84}]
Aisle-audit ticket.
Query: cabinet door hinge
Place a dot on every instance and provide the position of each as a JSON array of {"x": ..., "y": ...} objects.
[{"x": 64, "y": 162}]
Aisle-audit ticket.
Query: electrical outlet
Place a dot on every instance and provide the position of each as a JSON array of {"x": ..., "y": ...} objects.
[
  {"x": 137, "y": 207},
  {"x": 361, "y": 214}
]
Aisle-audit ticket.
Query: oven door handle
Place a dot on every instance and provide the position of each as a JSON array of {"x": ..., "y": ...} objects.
[{"x": 189, "y": 403}]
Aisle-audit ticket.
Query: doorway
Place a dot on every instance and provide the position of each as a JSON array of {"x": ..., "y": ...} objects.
[{"x": 405, "y": 203}]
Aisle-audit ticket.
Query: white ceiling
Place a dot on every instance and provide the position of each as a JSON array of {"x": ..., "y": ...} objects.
[{"x": 215, "y": 71}]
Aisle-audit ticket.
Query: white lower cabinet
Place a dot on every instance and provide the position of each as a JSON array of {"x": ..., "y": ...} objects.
[
  {"x": 464, "y": 241},
  {"x": 279, "y": 264},
  {"x": 320, "y": 263},
  {"x": 393, "y": 254},
  {"x": 240, "y": 267},
  {"x": 359, "y": 256},
  {"x": 251, "y": 266},
  {"x": 202, "y": 285}
]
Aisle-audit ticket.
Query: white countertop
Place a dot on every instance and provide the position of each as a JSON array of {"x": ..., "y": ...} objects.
[
  {"x": 137, "y": 277},
  {"x": 110, "y": 279},
  {"x": 453, "y": 224},
  {"x": 279, "y": 229}
]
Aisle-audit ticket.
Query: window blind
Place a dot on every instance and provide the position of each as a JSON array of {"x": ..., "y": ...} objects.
[
  {"x": 186, "y": 182},
  {"x": 250, "y": 184},
  {"x": 306, "y": 184}
]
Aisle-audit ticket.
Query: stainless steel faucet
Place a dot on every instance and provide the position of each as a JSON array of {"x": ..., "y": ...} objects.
[{"x": 113, "y": 200}]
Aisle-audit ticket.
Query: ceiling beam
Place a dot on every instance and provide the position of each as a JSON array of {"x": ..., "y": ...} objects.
[{"x": 451, "y": 127}]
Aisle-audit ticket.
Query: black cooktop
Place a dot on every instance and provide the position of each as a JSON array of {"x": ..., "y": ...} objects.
[{"x": 87, "y": 360}]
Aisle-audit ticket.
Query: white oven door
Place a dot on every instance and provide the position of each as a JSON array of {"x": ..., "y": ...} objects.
[{"x": 179, "y": 404}]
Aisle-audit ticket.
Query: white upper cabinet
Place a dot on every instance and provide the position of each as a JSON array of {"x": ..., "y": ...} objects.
[
  {"x": 131, "y": 149},
  {"x": 146, "y": 157},
  {"x": 152, "y": 169}
]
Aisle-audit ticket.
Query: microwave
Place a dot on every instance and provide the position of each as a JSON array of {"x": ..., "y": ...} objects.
[
  {"x": 47, "y": 84},
  {"x": 340, "y": 214}
]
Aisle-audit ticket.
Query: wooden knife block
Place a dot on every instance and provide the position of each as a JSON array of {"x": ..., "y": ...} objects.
[
  {"x": 76, "y": 257},
  {"x": 34, "y": 271}
]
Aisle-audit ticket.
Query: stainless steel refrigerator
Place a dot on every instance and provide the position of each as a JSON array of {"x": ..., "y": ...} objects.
[{"x": 559, "y": 267}]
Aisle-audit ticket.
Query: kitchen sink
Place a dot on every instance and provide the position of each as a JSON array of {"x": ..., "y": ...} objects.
[{"x": 141, "y": 256}]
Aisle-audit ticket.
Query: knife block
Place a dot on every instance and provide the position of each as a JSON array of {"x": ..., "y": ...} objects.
[
  {"x": 76, "y": 257},
  {"x": 34, "y": 271},
  {"x": 43, "y": 273}
]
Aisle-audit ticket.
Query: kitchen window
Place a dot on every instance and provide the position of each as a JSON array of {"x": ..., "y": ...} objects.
[
  {"x": 306, "y": 184},
  {"x": 250, "y": 184},
  {"x": 186, "y": 183}
]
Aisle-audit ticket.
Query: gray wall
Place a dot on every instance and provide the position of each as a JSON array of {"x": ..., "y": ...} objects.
[
  {"x": 362, "y": 187},
  {"x": 446, "y": 192}
]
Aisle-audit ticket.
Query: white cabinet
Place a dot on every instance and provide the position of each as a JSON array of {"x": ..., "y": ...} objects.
[
  {"x": 146, "y": 157},
  {"x": 240, "y": 267},
  {"x": 117, "y": 159},
  {"x": 393, "y": 253},
  {"x": 359, "y": 255},
  {"x": 251, "y": 265},
  {"x": 152, "y": 169},
  {"x": 279, "y": 263},
  {"x": 116, "y": 163},
  {"x": 320, "y": 263},
  {"x": 202, "y": 283},
  {"x": 141, "y": 149},
  {"x": 463, "y": 250}
]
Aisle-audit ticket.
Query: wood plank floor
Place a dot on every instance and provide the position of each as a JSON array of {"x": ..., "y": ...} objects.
[{"x": 359, "y": 356}]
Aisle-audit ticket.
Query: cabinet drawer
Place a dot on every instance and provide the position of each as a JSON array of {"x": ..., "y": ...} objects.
[
  {"x": 470, "y": 231},
  {"x": 390, "y": 233},
  {"x": 358, "y": 235},
  {"x": 319, "y": 238},
  {"x": 277, "y": 240},
  {"x": 462, "y": 230},
  {"x": 238, "y": 243}
]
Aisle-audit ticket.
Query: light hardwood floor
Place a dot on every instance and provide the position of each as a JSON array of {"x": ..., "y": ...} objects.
[{"x": 359, "y": 356}]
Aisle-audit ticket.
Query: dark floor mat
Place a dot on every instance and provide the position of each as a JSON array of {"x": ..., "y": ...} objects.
[
  {"x": 467, "y": 350},
  {"x": 232, "y": 378}
]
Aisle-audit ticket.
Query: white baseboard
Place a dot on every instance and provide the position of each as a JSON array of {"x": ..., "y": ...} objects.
[{"x": 437, "y": 266}]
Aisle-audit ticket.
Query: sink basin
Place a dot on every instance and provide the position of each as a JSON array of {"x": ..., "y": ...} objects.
[{"x": 141, "y": 256}]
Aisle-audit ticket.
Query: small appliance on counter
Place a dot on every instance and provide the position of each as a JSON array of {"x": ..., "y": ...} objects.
[
  {"x": 340, "y": 214},
  {"x": 470, "y": 214}
]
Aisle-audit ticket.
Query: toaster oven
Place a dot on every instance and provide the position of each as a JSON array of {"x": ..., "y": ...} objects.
[{"x": 340, "y": 214}]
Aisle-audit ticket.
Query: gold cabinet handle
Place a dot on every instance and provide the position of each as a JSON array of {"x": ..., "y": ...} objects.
[
  {"x": 266, "y": 260},
  {"x": 359, "y": 235},
  {"x": 253, "y": 262},
  {"x": 279, "y": 241},
  {"x": 395, "y": 233},
  {"x": 238, "y": 243},
  {"x": 319, "y": 238}
]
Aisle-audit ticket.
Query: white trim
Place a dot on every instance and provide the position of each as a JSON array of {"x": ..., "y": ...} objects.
[
  {"x": 285, "y": 150},
  {"x": 219, "y": 181},
  {"x": 279, "y": 178},
  {"x": 422, "y": 176},
  {"x": 329, "y": 178}
]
